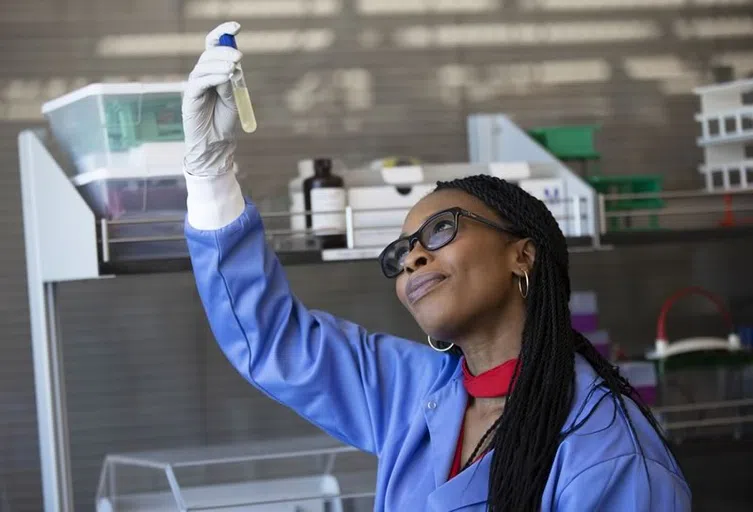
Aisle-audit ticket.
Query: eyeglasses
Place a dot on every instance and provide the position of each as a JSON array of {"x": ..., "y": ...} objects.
[{"x": 436, "y": 232}]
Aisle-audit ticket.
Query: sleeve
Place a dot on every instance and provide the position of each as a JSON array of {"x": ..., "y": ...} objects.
[
  {"x": 629, "y": 483},
  {"x": 355, "y": 386}
]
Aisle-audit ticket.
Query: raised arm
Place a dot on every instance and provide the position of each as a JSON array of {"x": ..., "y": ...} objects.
[{"x": 354, "y": 385}]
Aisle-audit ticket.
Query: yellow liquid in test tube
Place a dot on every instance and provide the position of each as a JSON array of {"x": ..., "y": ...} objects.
[
  {"x": 243, "y": 103},
  {"x": 240, "y": 90}
]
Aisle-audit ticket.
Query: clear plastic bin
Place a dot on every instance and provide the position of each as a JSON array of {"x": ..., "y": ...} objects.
[
  {"x": 306, "y": 474},
  {"x": 119, "y": 126},
  {"x": 113, "y": 194},
  {"x": 144, "y": 212}
]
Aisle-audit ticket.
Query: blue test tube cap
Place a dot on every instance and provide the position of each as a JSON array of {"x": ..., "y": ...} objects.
[{"x": 228, "y": 40}]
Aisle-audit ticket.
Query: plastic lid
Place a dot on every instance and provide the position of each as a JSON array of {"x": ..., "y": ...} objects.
[
  {"x": 322, "y": 165},
  {"x": 228, "y": 40},
  {"x": 115, "y": 89}
]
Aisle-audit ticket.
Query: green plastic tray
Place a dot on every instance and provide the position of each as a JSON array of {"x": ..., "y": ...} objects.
[{"x": 574, "y": 142}]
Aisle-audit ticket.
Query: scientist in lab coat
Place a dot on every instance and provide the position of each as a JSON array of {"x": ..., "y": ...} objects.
[{"x": 507, "y": 408}]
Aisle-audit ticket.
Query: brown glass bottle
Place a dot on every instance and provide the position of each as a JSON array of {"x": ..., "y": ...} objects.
[{"x": 325, "y": 192}]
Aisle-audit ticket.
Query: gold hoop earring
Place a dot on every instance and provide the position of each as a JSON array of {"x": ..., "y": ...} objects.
[
  {"x": 437, "y": 348},
  {"x": 520, "y": 285}
]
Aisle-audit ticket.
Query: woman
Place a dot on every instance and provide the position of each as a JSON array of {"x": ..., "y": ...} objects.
[{"x": 520, "y": 414}]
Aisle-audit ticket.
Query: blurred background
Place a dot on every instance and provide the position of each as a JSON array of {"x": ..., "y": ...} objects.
[{"x": 358, "y": 80}]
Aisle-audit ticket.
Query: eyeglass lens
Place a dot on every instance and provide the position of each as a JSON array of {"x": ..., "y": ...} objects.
[{"x": 433, "y": 235}]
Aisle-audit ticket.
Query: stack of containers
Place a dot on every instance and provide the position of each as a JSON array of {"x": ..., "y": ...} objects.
[
  {"x": 584, "y": 311},
  {"x": 125, "y": 143}
]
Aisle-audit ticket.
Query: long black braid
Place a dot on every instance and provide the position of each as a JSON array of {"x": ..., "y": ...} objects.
[{"x": 527, "y": 435}]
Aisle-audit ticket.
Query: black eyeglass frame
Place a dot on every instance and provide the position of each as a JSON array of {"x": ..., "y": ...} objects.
[{"x": 457, "y": 212}]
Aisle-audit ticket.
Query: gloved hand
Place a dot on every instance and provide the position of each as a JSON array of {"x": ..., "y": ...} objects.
[{"x": 209, "y": 112}]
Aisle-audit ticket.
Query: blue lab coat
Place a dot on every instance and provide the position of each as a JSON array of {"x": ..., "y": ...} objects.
[{"x": 401, "y": 400}]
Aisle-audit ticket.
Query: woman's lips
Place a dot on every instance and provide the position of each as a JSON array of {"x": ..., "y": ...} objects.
[{"x": 421, "y": 284}]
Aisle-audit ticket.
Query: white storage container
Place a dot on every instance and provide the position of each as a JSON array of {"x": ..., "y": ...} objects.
[
  {"x": 381, "y": 199},
  {"x": 119, "y": 126},
  {"x": 389, "y": 206}
]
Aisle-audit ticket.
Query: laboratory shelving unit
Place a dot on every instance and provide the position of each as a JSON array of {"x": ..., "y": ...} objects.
[
  {"x": 726, "y": 119},
  {"x": 79, "y": 246}
]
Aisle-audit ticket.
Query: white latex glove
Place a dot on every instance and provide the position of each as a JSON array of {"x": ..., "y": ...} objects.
[
  {"x": 209, "y": 122},
  {"x": 209, "y": 112}
]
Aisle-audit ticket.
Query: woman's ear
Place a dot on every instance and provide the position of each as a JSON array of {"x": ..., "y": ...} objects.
[{"x": 525, "y": 252}]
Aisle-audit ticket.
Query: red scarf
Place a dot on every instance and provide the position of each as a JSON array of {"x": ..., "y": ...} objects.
[{"x": 493, "y": 383}]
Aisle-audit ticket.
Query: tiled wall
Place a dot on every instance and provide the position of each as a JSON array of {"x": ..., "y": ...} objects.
[{"x": 355, "y": 79}]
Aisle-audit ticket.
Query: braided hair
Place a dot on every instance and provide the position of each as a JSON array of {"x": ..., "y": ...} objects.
[{"x": 525, "y": 438}]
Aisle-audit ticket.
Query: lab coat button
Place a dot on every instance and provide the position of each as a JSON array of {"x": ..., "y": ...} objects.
[{"x": 432, "y": 405}]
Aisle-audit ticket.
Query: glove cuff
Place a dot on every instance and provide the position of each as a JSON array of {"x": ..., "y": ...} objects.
[{"x": 213, "y": 201}]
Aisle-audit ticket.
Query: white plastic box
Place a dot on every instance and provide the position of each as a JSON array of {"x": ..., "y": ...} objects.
[
  {"x": 122, "y": 126},
  {"x": 381, "y": 199}
]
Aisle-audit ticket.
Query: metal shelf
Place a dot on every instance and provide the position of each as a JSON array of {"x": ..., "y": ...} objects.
[{"x": 300, "y": 247}]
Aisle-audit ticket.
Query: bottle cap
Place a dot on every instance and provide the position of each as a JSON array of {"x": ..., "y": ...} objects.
[
  {"x": 228, "y": 40},
  {"x": 322, "y": 165}
]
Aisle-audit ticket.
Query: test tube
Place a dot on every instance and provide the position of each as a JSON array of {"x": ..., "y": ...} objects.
[{"x": 240, "y": 90}]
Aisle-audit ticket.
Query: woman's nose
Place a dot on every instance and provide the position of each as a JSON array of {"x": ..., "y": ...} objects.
[{"x": 417, "y": 258}]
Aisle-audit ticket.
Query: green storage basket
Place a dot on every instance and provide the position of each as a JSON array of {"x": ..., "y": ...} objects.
[
  {"x": 629, "y": 184},
  {"x": 574, "y": 142}
]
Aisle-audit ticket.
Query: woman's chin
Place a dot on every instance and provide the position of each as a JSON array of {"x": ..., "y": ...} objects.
[{"x": 439, "y": 330}]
